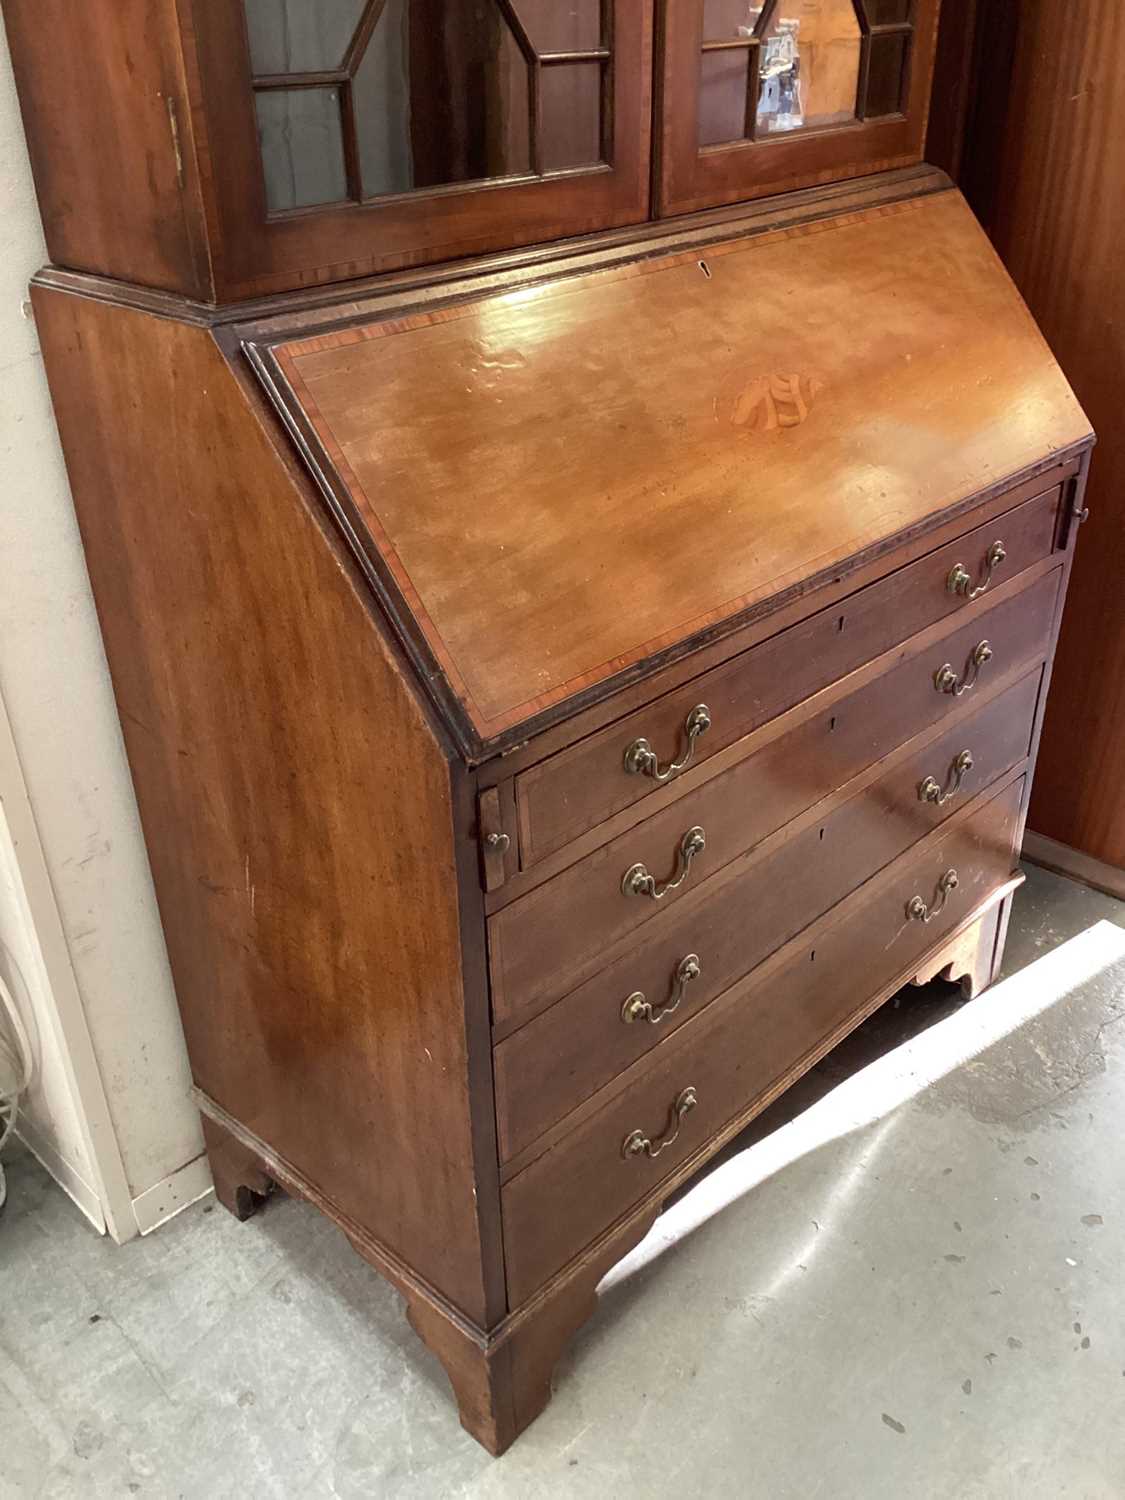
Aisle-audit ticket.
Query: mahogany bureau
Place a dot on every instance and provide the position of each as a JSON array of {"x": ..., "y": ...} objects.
[{"x": 566, "y": 691}]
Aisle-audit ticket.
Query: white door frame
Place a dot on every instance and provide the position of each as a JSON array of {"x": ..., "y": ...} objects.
[{"x": 107, "y": 1201}]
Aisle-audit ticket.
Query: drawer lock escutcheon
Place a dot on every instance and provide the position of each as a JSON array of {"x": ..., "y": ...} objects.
[
  {"x": 638, "y": 1144},
  {"x": 637, "y": 1008},
  {"x": 638, "y": 882},
  {"x": 960, "y": 580},
  {"x": 947, "y": 681},
  {"x": 918, "y": 911},
  {"x": 931, "y": 790},
  {"x": 642, "y": 760}
]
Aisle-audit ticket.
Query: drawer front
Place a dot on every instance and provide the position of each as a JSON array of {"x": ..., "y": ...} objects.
[
  {"x": 744, "y": 1045},
  {"x": 586, "y": 784},
  {"x": 568, "y": 1052},
  {"x": 545, "y": 942}
]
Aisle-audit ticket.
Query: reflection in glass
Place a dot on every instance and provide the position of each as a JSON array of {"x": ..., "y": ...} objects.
[
  {"x": 885, "y": 74},
  {"x": 571, "y": 99},
  {"x": 888, "y": 12},
  {"x": 723, "y": 83},
  {"x": 809, "y": 65},
  {"x": 444, "y": 103},
  {"x": 427, "y": 93},
  {"x": 302, "y": 147},
  {"x": 727, "y": 20},
  {"x": 296, "y": 36},
  {"x": 562, "y": 25}
]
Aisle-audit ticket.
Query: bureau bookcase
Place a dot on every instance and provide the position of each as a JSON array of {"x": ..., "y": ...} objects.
[{"x": 580, "y": 520}]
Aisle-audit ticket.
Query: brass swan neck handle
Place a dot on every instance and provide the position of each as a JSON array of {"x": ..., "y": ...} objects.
[
  {"x": 637, "y": 1008},
  {"x": 947, "y": 681},
  {"x": 931, "y": 789},
  {"x": 638, "y": 882},
  {"x": 636, "y": 1143},
  {"x": 960, "y": 580},
  {"x": 642, "y": 760},
  {"x": 918, "y": 911}
]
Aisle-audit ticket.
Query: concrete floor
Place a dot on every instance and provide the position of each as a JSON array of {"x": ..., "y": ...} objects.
[{"x": 924, "y": 1299}]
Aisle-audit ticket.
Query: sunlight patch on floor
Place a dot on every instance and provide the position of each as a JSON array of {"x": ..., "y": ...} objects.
[{"x": 872, "y": 1095}]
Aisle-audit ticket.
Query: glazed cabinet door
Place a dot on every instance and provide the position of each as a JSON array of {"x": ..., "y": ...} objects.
[
  {"x": 348, "y": 137},
  {"x": 763, "y": 96}
]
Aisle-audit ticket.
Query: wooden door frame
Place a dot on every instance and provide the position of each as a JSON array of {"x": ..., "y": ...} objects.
[
  {"x": 688, "y": 178},
  {"x": 254, "y": 254}
]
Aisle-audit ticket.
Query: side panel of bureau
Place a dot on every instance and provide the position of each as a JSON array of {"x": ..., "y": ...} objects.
[{"x": 298, "y": 806}]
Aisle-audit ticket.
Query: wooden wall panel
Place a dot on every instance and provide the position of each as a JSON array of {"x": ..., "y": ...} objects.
[{"x": 1060, "y": 226}]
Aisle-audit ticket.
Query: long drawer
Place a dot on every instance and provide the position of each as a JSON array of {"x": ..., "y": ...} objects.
[
  {"x": 715, "y": 1068},
  {"x": 547, "y": 941},
  {"x": 567, "y": 1053},
  {"x": 586, "y": 784}
]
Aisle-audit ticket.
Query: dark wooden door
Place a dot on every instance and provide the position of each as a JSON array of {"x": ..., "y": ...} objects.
[
  {"x": 347, "y": 137},
  {"x": 761, "y": 96}
]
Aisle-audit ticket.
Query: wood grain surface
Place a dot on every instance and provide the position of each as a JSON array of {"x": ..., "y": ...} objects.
[
  {"x": 542, "y": 943},
  {"x": 109, "y": 130},
  {"x": 570, "y": 792},
  {"x": 736, "y": 920},
  {"x": 684, "y": 439},
  {"x": 298, "y": 808},
  {"x": 736, "y": 1049}
]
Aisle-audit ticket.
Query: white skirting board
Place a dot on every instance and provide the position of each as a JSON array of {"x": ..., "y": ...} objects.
[
  {"x": 175, "y": 1193},
  {"x": 154, "y": 1207},
  {"x": 81, "y": 1192}
]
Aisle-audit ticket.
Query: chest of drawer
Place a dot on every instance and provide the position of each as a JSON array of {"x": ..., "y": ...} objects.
[
  {"x": 545, "y": 942},
  {"x": 565, "y": 1054},
  {"x": 590, "y": 782},
  {"x": 714, "y": 1069}
]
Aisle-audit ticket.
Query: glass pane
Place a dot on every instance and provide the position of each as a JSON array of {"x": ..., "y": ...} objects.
[
  {"x": 562, "y": 25},
  {"x": 886, "y": 75},
  {"x": 300, "y": 36},
  {"x": 723, "y": 82},
  {"x": 887, "y": 12},
  {"x": 571, "y": 96},
  {"x": 809, "y": 65},
  {"x": 302, "y": 147},
  {"x": 442, "y": 96},
  {"x": 725, "y": 20}
]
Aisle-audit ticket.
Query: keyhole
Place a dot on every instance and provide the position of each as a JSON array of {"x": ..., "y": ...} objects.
[
  {"x": 822, "y": 835},
  {"x": 706, "y": 269},
  {"x": 812, "y": 957},
  {"x": 832, "y": 723},
  {"x": 840, "y": 623}
]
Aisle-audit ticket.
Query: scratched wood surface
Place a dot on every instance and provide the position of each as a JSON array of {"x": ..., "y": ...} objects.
[{"x": 567, "y": 479}]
